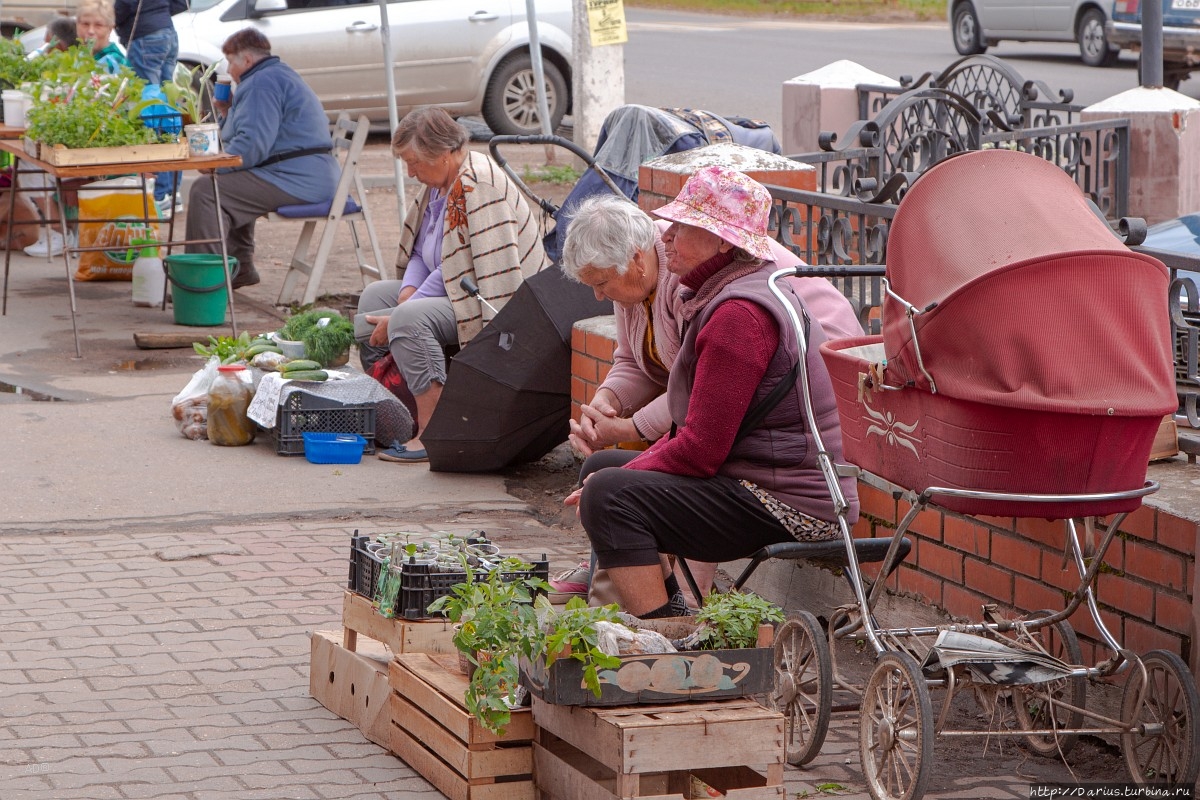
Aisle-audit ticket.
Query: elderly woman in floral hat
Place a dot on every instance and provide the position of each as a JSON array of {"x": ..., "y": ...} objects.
[{"x": 727, "y": 480}]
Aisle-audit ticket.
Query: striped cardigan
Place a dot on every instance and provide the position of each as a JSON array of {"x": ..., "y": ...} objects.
[{"x": 490, "y": 234}]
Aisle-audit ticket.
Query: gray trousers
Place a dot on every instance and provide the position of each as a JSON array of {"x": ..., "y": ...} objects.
[
  {"x": 418, "y": 330},
  {"x": 244, "y": 198}
]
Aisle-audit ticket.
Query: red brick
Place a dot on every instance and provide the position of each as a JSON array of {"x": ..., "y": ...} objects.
[
  {"x": 863, "y": 529},
  {"x": 579, "y": 395},
  {"x": 578, "y": 337},
  {"x": 599, "y": 346},
  {"x": 982, "y": 577},
  {"x": 927, "y": 525},
  {"x": 939, "y": 560},
  {"x": 803, "y": 179},
  {"x": 920, "y": 584},
  {"x": 1177, "y": 534},
  {"x": 1082, "y": 621},
  {"x": 966, "y": 536},
  {"x": 876, "y": 503},
  {"x": 1160, "y": 567},
  {"x": 1056, "y": 575},
  {"x": 602, "y": 369},
  {"x": 1051, "y": 533},
  {"x": 1129, "y": 597},
  {"x": 1031, "y": 595},
  {"x": 1142, "y": 638},
  {"x": 1173, "y": 613},
  {"x": 959, "y": 602},
  {"x": 1000, "y": 523},
  {"x": 1141, "y": 522},
  {"x": 583, "y": 367},
  {"x": 668, "y": 183},
  {"x": 1017, "y": 554},
  {"x": 645, "y": 179}
]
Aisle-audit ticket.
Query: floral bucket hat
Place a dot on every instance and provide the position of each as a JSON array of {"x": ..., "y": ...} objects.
[{"x": 727, "y": 203}]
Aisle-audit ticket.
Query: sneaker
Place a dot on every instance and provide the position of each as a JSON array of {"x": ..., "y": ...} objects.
[
  {"x": 573, "y": 582},
  {"x": 168, "y": 206},
  {"x": 49, "y": 243}
]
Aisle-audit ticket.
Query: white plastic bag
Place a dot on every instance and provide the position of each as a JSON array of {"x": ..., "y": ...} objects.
[{"x": 190, "y": 407}]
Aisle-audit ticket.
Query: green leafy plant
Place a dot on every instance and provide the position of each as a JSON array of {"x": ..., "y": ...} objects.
[
  {"x": 190, "y": 91},
  {"x": 226, "y": 348},
  {"x": 15, "y": 68},
  {"x": 571, "y": 633},
  {"x": 731, "y": 619},
  {"x": 496, "y": 623},
  {"x": 323, "y": 341}
]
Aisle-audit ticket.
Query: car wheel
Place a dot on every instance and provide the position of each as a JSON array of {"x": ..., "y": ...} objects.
[
  {"x": 968, "y": 34},
  {"x": 510, "y": 103},
  {"x": 1094, "y": 48}
]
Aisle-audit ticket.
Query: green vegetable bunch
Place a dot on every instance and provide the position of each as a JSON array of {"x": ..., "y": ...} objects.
[
  {"x": 323, "y": 341},
  {"x": 226, "y": 348},
  {"x": 731, "y": 619},
  {"x": 571, "y": 633}
]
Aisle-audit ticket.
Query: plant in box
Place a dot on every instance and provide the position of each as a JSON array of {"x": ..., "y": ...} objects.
[{"x": 495, "y": 622}]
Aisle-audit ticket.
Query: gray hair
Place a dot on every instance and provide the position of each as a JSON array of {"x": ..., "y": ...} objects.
[{"x": 606, "y": 231}]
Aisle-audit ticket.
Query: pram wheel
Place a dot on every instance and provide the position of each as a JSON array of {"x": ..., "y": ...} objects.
[
  {"x": 1168, "y": 712},
  {"x": 1036, "y": 705},
  {"x": 803, "y": 690},
  {"x": 895, "y": 735}
]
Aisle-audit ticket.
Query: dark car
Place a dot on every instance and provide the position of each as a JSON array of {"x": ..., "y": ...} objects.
[{"x": 1181, "y": 35}]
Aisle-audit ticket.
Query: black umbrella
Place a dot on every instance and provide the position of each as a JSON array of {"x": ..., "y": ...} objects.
[{"x": 507, "y": 397}]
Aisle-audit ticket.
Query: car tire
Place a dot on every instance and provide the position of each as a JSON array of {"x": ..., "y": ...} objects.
[
  {"x": 967, "y": 32},
  {"x": 1094, "y": 48},
  {"x": 510, "y": 102}
]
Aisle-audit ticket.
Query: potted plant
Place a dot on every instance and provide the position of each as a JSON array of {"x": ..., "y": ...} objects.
[
  {"x": 326, "y": 334},
  {"x": 190, "y": 92}
]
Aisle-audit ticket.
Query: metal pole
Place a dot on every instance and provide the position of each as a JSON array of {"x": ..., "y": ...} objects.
[
  {"x": 535, "y": 59},
  {"x": 389, "y": 66},
  {"x": 1152, "y": 43}
]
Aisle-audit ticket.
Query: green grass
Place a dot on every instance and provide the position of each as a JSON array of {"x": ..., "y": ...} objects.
[
  {"x": 550, "y": 173},
  {"x": 891, "y": 10}
]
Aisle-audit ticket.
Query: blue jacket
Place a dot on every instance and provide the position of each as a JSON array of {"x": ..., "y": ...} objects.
[
  {"x": 275, "y": 112},
  {"x": 155, "y": 16}
]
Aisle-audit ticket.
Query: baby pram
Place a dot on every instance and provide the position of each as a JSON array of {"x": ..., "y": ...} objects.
[{"x": 1011, "y": 312}]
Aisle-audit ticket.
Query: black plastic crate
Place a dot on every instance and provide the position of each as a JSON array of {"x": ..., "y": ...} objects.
[
  {"x": 419, "y": 586},
  {"x": 302, "y": 413}
]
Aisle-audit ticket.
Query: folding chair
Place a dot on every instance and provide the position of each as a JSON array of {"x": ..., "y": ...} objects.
[{"x": 347, "y": 205}]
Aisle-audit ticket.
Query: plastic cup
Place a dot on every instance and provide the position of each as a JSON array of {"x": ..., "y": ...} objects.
[{"x": 223, "y": 91}]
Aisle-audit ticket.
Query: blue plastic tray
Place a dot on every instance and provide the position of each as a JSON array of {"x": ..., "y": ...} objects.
[{"x": 333, "y": 448}]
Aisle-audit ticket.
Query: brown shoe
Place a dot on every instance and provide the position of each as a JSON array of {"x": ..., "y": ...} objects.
[{"x": 245, "y": 279}]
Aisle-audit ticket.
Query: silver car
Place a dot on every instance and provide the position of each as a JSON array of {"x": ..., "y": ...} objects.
[{"x": 977, "y": 25}]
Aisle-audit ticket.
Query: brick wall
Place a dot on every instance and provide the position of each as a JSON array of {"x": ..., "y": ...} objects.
[{"x": 1145, "y": 590}]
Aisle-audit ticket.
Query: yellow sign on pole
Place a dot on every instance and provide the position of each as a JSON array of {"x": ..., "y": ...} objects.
[{"x": 606, "y": 22}]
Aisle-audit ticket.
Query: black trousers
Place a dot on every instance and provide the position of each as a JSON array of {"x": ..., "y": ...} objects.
[{"x": 633, "y": 515}]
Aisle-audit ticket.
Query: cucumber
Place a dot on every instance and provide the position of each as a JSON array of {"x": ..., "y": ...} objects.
[
  {"x": 300, "y": 364},
  {"x": 262, "y": 348},
  {"x": 306, "y": 375}
]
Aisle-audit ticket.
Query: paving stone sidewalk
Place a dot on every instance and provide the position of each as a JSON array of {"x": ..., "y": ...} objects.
[{"x": 174, "y": 664}]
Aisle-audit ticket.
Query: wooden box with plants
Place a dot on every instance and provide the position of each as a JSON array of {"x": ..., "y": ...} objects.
[
  {"x": 81, "y": 117},
  {"x": 724, "y": 651}
]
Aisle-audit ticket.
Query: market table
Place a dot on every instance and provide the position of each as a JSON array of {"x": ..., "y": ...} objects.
[{"x": 209, "y": 164}]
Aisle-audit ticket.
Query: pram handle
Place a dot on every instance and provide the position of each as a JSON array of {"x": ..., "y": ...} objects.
[
  {"x": 585, "y": 156},
  {"x": 835, "y": 271}
]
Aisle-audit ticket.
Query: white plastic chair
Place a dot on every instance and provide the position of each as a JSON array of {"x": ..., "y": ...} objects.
[{"x": 347, "y": 205}]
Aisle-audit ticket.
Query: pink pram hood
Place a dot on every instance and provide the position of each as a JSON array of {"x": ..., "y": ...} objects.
[{"x": 1028, "y": 300}]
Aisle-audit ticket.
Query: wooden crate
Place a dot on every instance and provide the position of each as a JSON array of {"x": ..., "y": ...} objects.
[
  {"x": 85, "y": 156},
  {"x": 433, "y": 732},
  {"x": 401, "y": 635},
  {"x": 353, "y": 685},
  {"x": 583, "y": 753}
]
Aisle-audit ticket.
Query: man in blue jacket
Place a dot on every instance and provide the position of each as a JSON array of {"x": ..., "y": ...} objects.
[{"x": 276, "y": 124}]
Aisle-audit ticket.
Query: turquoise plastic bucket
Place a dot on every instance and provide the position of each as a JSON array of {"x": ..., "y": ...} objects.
[{"x": 199, "y": 296}]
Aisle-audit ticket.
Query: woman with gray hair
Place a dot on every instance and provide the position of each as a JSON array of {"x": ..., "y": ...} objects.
[{"x": 469, "y": 221}]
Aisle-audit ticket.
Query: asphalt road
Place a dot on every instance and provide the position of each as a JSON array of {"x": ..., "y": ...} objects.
[{"x": 736, "y": 65}]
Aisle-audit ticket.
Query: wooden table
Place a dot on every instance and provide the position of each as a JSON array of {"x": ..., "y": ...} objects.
[{"x": 23, "y": 161}]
